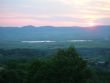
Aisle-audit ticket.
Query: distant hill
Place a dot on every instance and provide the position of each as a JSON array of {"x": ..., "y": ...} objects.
[{"x": 32, "y": 33}]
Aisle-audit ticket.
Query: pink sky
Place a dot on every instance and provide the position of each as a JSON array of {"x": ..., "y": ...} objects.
[{"x": 54, "y": 12}]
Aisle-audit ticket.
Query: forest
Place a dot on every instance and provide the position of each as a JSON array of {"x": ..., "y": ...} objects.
[{"x": 61, "y": 66}]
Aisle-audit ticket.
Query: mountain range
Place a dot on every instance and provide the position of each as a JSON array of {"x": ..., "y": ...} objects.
[{"x": 32, "y": 33}]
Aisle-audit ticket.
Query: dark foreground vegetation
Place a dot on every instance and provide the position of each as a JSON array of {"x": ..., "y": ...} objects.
[{"x": 65, "y": 66}]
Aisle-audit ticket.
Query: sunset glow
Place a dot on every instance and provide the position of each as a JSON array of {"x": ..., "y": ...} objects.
[
  {"x": 91, "y": 24},
  {"x": 54, "y": 12}
]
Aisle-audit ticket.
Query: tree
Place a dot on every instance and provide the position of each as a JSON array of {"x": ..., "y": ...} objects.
[
  {"x": 9, "y": 76},
  {"x": 65, "y": 67}
]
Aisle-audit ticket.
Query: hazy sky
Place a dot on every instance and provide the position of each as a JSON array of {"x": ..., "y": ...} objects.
[{"x": 54, "y": 12}]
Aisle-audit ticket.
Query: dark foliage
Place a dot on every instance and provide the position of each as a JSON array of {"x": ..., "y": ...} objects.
[{"x": 66, "y": 66}]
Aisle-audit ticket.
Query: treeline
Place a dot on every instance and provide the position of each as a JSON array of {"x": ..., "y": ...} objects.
[
  {"x": 24, "y": 52},
  {"x": 66, "y": 66}
]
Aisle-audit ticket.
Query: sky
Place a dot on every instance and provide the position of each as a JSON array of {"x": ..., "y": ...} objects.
[{"x": 54, "y": 12}]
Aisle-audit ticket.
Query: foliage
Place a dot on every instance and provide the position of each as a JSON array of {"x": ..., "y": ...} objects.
[{"x": 66, "y": 66}]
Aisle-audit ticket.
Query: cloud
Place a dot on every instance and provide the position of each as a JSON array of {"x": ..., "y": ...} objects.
[
  {"x": 55, "y": 10},
  {"x": 103, "y": 21}
]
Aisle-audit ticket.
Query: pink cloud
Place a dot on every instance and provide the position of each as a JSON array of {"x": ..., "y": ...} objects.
[{"x": 22, "y": 22}]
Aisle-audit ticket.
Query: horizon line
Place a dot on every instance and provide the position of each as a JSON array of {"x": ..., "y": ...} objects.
[{"x": 50, "y": 26}]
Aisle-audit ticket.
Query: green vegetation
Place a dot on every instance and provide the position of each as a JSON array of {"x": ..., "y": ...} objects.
[{"x": 65, "y": 66}]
